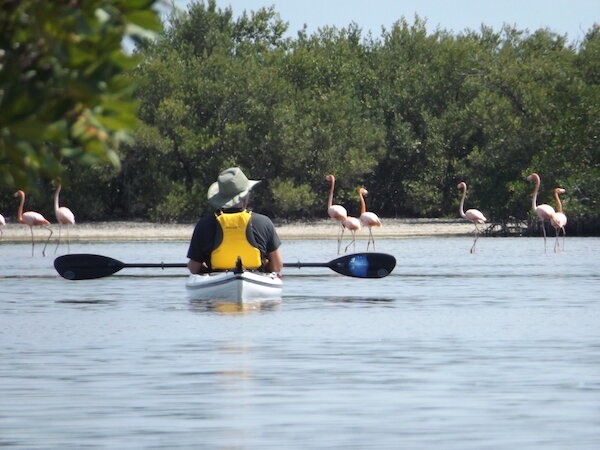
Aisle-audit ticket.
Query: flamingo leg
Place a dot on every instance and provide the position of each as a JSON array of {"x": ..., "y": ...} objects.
[
  {"x": 58, "y": 242},
  {"x": 544, "y": 231},
  {"x": 47, "y": 240},
  {"x": 353, "y": 241},
  {"x": 340, "y": 237},
  {"x": 371, "y": 239},
  {"x": 32, "y": 242},
  {"x": 476, "y": 237},
  {"x": 557, "y": 243},
  {"x": 68, "y": 241}
]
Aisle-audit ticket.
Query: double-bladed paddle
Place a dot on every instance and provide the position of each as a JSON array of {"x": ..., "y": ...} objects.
[{"x": 85, "y": 266}]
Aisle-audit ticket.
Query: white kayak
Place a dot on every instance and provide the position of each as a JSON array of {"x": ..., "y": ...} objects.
[{"x": 234, "y": 287}]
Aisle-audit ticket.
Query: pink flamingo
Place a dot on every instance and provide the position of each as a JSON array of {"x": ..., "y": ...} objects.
[
  {"x": 64, "y": 216},
  {"x": 558, "y": 220},
  {"x": 32, "y": 219},
  {"x": 352, "y": 224},
  {"x": 337, "y": 212},
  {"x": 543, "y": 211},
  {"x": 473, "y": 215},
  {"x": 2, "y": 223},
  {"x": 367, "y": 219}
]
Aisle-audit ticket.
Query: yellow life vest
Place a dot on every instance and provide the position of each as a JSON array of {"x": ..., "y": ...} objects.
[{"x": 235, "y": 243}]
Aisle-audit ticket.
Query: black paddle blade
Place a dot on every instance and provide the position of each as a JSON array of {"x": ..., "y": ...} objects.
[
  {"x": 364, "y": 265},
  {"x": 86, "y": 267}
]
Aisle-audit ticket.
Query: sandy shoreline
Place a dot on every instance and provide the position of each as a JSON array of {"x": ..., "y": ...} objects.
[{"x": 321, "y": 229}]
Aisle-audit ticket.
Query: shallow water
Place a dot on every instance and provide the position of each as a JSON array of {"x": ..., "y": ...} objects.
[{"x": 491, "y": 350}]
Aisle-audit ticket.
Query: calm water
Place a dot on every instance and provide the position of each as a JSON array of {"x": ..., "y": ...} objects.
[{"x": 493, "y": 350}]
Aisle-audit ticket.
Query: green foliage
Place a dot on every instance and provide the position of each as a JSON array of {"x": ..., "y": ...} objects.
[
  {"x": 291, "y": 201},
  {"x": 64, "y": 89},
  {"x": 176, "y": 205}
]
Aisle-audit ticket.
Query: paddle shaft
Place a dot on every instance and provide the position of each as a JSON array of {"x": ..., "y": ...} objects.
[
  {"x": 157, "y": 265},
  {"x": 299, "y": 265},
  {"x": 296, "y": 265}
]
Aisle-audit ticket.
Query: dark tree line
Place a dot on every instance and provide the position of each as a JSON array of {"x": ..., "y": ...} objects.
[{"x": 407, "y": 114}]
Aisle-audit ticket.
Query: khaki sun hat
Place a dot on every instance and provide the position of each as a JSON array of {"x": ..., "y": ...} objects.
[{"x": 230, "y": 188}]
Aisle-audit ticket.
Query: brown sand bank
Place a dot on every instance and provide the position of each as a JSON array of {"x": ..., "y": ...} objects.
[
  {"x": 392, "y": 228},
  {"x": 321, "y": 229}
]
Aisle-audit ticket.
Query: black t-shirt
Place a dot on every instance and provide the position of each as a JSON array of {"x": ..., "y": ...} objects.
[{"x": 207, "y": 236}]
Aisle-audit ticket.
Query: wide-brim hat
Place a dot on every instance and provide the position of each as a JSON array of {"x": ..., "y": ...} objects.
[{"x": 230, "y": 188}]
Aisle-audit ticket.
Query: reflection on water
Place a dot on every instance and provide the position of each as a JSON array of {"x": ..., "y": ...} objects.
[
  {"x": 351, "y": 300},
  {"x": 232, "y": 307},
  {"x": 493, "y": 350},
  {"x": 86, "y": 302}
]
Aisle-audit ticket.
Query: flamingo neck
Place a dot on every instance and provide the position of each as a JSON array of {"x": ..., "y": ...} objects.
[
  {"x": 330, "y": 200},
  {"x": 21, "y": 204},
  {"x": 462, "y": 203},
  {"x": 56, "y": 194},
  {"x": 363, "y": 207},
  {"x": 535, "y": 193},
  {"x": 558, "y": 202}
]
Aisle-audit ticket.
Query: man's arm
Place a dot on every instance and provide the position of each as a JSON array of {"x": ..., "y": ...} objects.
[
  {"x": 274, "y": 262},
  {"x": 200, "y": 245}
]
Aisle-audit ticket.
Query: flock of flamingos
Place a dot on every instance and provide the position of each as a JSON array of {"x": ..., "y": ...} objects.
[
  {"x": 64, "y": 216},
  {"x": 369, "y": 219}
]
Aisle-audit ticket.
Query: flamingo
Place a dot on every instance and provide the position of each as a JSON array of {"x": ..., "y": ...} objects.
[
  {"x": 367, "y": 219},
  {"x": 2, "y": 223},
  {"x": 558, "y": 219},
  {"x": 337, "y": 212},
  {"x": 352, "y": 224},
  {"x": 64, "y": 216},
  {"x": 473, "y": 215},
  {"x": 32, "y": 219},
  {"x": 543, "y": 211}
]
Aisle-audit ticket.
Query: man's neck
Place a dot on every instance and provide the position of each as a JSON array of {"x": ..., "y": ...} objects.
[{"x": 232, "y": 210}]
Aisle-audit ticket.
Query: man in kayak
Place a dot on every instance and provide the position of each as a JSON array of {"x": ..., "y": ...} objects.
[{"x": 233, "y": 231}]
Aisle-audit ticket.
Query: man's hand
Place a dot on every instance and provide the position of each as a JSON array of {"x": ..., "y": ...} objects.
[{"x": 197, "y": 267}]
